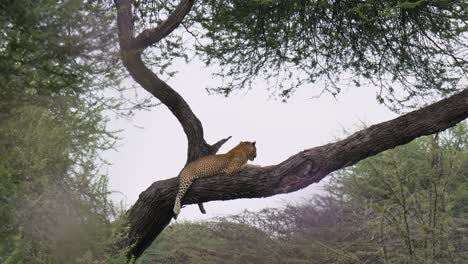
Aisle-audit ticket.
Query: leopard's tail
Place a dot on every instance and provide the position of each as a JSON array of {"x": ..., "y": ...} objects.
[{"x": 184, "y": 185}]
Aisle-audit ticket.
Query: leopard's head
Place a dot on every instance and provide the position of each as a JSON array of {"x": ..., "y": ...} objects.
[{"x": 250, "y": 149}]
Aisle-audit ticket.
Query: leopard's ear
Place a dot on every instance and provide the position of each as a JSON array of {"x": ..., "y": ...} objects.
[{"x": 253, "y": 143}]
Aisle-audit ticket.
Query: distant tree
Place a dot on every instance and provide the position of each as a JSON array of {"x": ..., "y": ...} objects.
[
  {"x": 219, "y": 242},
  {"x": 410, "y": 49},
  {"x": 50, "y": 49},
  {"x": 55, "y": 206},
  {"x": 56, "y": 59},
  {"x": 412, "y": 196}
]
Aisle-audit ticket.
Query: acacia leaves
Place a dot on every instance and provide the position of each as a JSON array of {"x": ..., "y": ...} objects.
[{"x": 406, "y": 48}]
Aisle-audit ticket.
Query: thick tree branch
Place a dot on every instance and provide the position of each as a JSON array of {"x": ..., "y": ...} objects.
[
  {"x": 124, "y": 23},
  {"x": 131, "y": 49},
  {"x": 153, "y": 210},
  {"x": 192, "y": 126}
]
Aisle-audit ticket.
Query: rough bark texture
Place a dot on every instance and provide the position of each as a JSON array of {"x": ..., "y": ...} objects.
[{"x": 153, "y": 210}]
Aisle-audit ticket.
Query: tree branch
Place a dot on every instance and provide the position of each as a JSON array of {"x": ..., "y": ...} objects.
[
  {"x": 216, "y": 146},
  {"x": 124, "y": 23},
  {"x": 197, "y": 146},
  {"x": 131, "y": 49},
  {"x": 153, "y": 210},
  {"x": 150, "y": 36}
]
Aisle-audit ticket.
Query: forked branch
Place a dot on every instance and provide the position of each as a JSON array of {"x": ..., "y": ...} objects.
[
  {"x": 150, "y": 36},
  {"x": 131, "y": 49}
]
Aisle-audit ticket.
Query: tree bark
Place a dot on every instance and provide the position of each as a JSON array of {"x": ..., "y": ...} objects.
[{"x": 153, "y": 210}]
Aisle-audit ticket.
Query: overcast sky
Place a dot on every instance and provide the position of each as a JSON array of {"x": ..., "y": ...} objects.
[{"x": 158, "y": 150}]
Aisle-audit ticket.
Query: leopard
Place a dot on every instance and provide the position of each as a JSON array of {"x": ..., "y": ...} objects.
[{"x": 229, "y": 163}]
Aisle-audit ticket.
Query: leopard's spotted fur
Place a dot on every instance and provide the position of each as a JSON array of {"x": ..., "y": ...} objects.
[{"x": 229, "y": 163}]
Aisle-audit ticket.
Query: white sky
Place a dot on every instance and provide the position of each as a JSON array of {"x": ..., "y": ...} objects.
[{"x": 158, "y": 151}]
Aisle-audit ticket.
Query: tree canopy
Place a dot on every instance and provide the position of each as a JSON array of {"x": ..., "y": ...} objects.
[{"x": 405, "y": 49}]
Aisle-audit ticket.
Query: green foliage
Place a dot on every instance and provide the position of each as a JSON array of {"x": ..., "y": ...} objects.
[
  {"x": 407, "y": 49},
  {"x": 55, "y": 207},
  {"x": 51, "y": 48},
  {"x": 56, "y": 59},
  {"x": 420, "y": 45},
  {"x": 416, "y": 197},
  {"x": 269, "y": 236},
  {"x": 222, "y": 242}
]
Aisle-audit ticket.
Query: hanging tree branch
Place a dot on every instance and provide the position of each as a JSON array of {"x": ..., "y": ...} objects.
[{"x": 153, "y": 210}]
